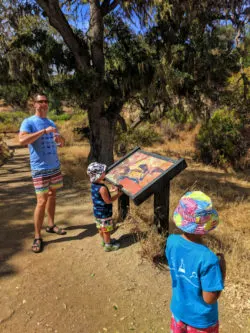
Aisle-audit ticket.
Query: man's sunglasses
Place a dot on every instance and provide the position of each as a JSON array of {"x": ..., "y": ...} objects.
[{"x": 42, "y": 101}]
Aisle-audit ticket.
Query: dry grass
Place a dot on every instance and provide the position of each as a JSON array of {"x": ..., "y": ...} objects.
[
  {"x": 66, "y": 128},
  {"x": 74, "y": 165},
  {"x": 182, "y": 145}
]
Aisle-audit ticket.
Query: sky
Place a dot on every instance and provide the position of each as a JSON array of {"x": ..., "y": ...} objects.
[{"x": 79, "y": 18}]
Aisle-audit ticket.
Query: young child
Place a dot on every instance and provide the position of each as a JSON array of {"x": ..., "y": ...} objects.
[
  {"x": 102, "y": 204},
  {"x": 197, "y": 273}
]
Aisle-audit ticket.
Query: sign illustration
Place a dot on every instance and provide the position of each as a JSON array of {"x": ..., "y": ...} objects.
[{"x": 142, "y": 173}]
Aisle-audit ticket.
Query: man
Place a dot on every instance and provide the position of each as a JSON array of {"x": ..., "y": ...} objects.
[{"x": 42, "y": 138}]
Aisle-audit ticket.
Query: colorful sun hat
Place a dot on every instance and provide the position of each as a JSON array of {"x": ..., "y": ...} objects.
[
  {"x": 195, "y": 213},
  {"x": 95, "y": 170}
]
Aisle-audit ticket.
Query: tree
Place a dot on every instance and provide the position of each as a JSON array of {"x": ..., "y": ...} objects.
[
  {"x": 196, "y": 51},
  {"x": 30, "y": 54},
  {"x": 103, "y": 104}
]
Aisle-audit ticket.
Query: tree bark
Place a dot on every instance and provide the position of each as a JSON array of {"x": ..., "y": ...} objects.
[
  {"x": 102, "y": 127},
  {"x": 96, "y": 30},
  {"x": 102, "y": 132}
]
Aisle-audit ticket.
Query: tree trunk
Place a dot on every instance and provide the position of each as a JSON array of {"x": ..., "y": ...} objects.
[{"x": 102, "y": 132}]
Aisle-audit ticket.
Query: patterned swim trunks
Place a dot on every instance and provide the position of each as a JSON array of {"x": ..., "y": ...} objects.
[
  {"x": 44, "y": 180},
  {"x": 178, "y": 326},
  {"x": 105, "y": 225}
]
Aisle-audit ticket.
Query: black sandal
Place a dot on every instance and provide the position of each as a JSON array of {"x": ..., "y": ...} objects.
[
  {"x": 37, "y": 245},
  {"x": 59, "y": 231}
]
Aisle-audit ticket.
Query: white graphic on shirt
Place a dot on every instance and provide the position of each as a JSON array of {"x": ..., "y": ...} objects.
[
  {"x": 182, "y": 267},
  {"x": 189, "y": 281},
  {"x": 182, "y": 270}
]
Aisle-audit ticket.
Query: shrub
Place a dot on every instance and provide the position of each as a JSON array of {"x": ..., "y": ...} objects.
[
  {"x": 58, "y": 117},
  {"x": 168, "y": 129},
  {"x": 15, "y": 94},
  {"x": 220, "y": 139},
  {"x": 67, "y": 129},
  {"x": 11, "y": 121},
  {"x": 144, "y": 136},
  {"x": 179, "y": 116},
  {"x": 5, "y": 152}
]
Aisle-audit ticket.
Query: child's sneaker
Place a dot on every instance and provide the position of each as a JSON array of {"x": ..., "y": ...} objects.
[
  {"x": 112, "y": 241},
  {"x": 111, "y": 247}
]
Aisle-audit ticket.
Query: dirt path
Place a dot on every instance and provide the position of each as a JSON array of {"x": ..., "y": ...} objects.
[{"x": 74, "y": 286}]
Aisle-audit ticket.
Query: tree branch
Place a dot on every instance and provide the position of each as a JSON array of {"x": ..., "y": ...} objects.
[
  {"x": 78, "y": 47},
  {"x": 107, "y": 7},
  {"x": 96, "y": 34}
]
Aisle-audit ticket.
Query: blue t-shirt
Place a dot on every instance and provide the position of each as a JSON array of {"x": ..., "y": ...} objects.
[
  {"x": 43, "y": 152},
  {"x": 100, "y": 208},
  {"x": 194, "y": 268}
]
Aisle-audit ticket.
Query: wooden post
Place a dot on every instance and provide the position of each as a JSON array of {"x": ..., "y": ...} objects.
[
  {"x": 161, "y": 208},
  {"x": 123, "y": 207}
]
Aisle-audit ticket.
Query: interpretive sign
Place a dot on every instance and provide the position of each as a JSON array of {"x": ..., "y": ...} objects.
[{"x": 141, "y": 173}]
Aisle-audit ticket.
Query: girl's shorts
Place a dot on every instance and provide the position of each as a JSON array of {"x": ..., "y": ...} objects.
[
  {"x": 104, "y": 225},
  {"x": 44, "y": 180},
  {"x": 178, "y": 326}
]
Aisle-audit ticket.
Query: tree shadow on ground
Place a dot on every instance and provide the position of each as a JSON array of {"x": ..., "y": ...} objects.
[
  {"x": 11, "y": 242},
  {"x": 89, "y": 231},
  {"x": 17, "y": 203}
]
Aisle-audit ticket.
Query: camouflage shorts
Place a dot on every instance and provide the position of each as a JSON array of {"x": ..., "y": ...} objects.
[{"x": 104, "y": 225}]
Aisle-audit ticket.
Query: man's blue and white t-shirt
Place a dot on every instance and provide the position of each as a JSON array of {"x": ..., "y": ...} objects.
[
  {"x": 43, "y": 152},
  {"x": 194, "y": 268}
]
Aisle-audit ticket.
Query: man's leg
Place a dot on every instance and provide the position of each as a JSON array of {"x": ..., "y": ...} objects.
[
  {"x": 51, "y": 207},
  {"x": 39, "y": 213}
]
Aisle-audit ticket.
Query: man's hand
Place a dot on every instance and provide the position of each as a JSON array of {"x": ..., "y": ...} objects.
[
  {"x": 50, "y": 129},
  {"x": 59, "y": 140}
]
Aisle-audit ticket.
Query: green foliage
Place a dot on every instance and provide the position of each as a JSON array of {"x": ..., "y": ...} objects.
[
  {"x": 55, "y": 105},
  {"x": 14, "y": 93},
  {"x": 220, "y": 140},
  {"x": 58, "y": 117},
  {"x": 11, "y": 121},
  {"x": 128, "y": 58},
  {"x": 237, "y": 93},
  {"x": 32, "y": 54},
  {"x": 179, "y": 116},
  {"x": 143, "y": 136}
]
